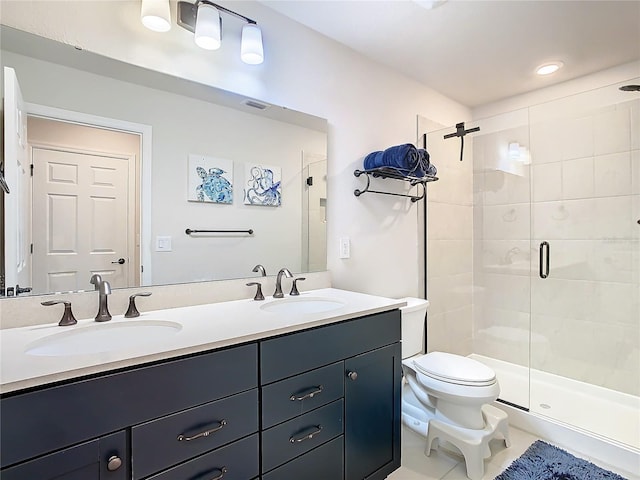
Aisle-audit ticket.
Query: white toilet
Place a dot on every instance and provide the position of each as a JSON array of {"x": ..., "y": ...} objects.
[{"x": 447, "y": 396}]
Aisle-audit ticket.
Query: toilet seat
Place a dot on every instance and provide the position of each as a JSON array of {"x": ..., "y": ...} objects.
[{"x": 455, "y": 369}]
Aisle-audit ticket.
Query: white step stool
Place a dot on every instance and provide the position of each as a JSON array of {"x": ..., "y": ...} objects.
[{"x": 473, "y": 444}]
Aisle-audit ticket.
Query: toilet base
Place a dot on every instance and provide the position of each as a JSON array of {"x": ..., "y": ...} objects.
[
  {"x": 414, "y": 414},
  {"x": 473, "y": 444}
]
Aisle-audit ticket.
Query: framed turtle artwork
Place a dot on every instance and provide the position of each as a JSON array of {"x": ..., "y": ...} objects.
[
  {"x": 210, "y": 179},
  {"x": 263, "y": 185}
]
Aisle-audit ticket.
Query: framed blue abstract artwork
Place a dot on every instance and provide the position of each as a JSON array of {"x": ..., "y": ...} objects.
[
  {"x": 210, "y": 179},
  {"x": 263, "y": 185}
]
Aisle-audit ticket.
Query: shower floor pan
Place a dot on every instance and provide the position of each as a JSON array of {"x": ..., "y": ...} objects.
[{"x": 601, "y": 411}]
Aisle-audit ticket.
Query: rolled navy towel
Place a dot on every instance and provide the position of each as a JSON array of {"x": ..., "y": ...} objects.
[
  {"x": 403, "y": 158},
  {"x": 373, "y": 160},
  {"x": 425, "y": 167}
]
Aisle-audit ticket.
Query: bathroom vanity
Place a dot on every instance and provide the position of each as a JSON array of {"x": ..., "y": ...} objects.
[{"x": 314, "y": 396}]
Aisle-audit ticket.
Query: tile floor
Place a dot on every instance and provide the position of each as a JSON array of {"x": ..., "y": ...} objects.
[{"x": 443, "y": 466}]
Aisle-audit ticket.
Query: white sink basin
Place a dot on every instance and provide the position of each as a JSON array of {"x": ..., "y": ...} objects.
[
  {"x": 303, "y": 305},
  {"x": 102, "y": 337}
]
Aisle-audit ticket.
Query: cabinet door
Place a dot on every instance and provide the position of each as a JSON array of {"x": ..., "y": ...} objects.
[
  {"x": 87, "y": 461},
  {"x": 372, "y": 413}
]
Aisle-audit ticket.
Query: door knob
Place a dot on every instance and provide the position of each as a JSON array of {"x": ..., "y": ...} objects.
[
  {"x": 120, "y": 261},
  {"x": 114, "y": 463},
  {"x": 352, "y": 375}
]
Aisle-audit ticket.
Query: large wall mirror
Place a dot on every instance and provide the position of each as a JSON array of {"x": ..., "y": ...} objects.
[{"x": 125, "y": 160}]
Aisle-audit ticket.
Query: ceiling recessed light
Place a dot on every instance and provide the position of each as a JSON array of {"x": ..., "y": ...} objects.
[
  {"x": 549, "y": 68},
  {"x": 430, "y": 4}
]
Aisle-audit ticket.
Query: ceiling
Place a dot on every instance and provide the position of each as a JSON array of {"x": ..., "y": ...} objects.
[{"x": 480, "y": 51}]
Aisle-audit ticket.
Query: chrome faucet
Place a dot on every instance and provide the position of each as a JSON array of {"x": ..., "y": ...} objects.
[
  {"x": 260, "y": 268},
  {"x": 278, "y": 293},
  {"x": 104, "y": 289}
]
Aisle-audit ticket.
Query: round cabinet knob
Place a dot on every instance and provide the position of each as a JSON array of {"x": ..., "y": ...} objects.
[
  {"x": 352, "y": 375},
  {"x": 114, "y": 463}
]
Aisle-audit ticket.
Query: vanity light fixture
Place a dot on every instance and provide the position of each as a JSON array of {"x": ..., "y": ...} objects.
[
  {"x": 156, "y": 15},
  {"x": 203, "y": 19},
  {"x": 549, "y": 68}
]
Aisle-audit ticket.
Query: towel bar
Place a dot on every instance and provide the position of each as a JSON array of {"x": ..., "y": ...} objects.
[{"x": 189, "y": 231}]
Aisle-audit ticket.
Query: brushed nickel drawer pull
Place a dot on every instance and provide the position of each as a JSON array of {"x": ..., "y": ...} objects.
[
  {"x": 206, "y": 433},
  {"x": 316, "y": 390},
  {"x": 308, "y": 436},
  {"x": 223, "y": 470}
]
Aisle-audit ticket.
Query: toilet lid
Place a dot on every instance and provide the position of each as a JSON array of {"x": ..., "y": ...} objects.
[{"x": 451, "y": 368}]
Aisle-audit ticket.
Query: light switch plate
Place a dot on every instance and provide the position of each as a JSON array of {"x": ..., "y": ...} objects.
[
  {"x": 163, "y": 244},
  {"x": 345, "y": 247}
]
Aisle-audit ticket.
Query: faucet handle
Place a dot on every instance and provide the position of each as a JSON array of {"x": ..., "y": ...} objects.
[
  {"x": 260, "y": 269},
  {"x": 132, "y": 311},
  {"x": 259, "y": 295},
  {"x": 67, "y": 316},
  {"x": 294, "y": 288}
]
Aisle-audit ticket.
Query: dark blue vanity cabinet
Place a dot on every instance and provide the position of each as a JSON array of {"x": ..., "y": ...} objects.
[
  {"x": 318, "y": 404},
  {"x": 125, "y": 425},
  {"x": 331, "y": 401}
]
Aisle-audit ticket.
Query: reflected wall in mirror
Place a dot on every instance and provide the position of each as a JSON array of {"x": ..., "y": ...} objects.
[{"x": 110, "y": 146}]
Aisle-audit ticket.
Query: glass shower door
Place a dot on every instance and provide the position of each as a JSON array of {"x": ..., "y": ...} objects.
[
  {"x": 585, "y": 310},
  {"x": 502, "y": 251},
  {"x": 479, "y": 247}
]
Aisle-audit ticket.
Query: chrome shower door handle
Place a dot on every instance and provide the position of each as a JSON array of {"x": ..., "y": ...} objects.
[{"x": 545, "y": 255}]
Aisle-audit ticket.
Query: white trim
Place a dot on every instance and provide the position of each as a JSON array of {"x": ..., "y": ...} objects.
[{"x": 145, "y": 132}]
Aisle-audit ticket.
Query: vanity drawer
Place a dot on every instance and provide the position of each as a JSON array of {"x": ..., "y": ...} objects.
[
  {"x": 301, "y": 434},
  {"x": 323, "y": 463},
  {"x": 238, "y": 461},
  {"x": 300, "y": 394},
  {"x": 169, "y": 440},
  {"x": 285, "y": 356},
  {"x": 51, "y": 418}
]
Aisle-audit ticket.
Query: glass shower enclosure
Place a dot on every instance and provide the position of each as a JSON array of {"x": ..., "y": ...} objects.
[{"x": 555, "y": 257}]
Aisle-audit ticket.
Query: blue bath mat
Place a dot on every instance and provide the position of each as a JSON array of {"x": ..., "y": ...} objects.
[{"x": 542, "y": 461}]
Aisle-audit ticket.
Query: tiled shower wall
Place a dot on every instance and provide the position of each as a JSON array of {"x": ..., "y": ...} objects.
[
  {"x": 502, "y": 255},
  {"x": 449, "y": 244},
  {"x": 581, "y": 193},
  {"x": 586, "y": 203}
]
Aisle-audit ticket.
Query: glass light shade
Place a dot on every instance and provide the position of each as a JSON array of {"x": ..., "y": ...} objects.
[
  {"x": 156, "y": 15},
  {"x": 251, "y": 50},
  {"x": 208, "y": 32}
]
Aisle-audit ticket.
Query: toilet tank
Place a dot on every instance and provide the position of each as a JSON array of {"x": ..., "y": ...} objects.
[{"x": 413, "y": 325}]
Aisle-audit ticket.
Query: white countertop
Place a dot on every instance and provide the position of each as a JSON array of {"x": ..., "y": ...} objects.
[{"x": 197, "y": 328}]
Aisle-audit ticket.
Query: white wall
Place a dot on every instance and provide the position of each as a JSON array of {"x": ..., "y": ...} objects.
[{"x": 368, "y": 106}]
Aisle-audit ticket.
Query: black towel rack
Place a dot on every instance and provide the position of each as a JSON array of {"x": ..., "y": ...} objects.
[
  {"x": 189, "y": 231},
  {"x": 389, "y": 172}
]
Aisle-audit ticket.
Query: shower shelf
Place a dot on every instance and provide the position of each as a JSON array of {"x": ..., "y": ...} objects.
[{"x": 388, "y": 172}]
